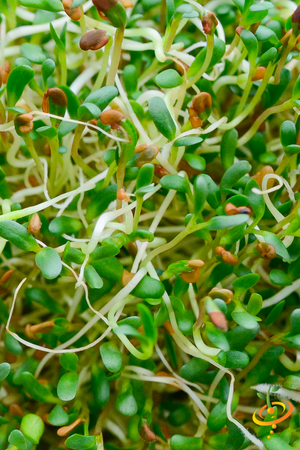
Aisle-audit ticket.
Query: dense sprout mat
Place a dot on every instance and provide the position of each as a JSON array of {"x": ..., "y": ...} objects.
[{"x": 150, "y": 225}]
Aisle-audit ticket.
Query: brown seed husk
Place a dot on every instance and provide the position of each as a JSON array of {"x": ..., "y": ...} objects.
[
  {"x": 259, "y": 73},
  {"x": 219, "y": 320},
  {"x": 93, "y": 40},
  {"x": 266, "y": 251},
  {"x": 105, "y": 5},
  {"x": 43, "y": 327},
  {"x": 64, "y": 431},
  {"x": 229, "y": 258},
  {"x": 74, "y": 13},
  {"x": 35, "y": 224},
  {"x": 127, "y": 277},
  {"x": 202, "y": 102},
  {"x": 191, "y": 277},
  {"x": 112, "y": 117},
  {"x": 58, "y": 96},
  {"x": 147, "y": 435}
]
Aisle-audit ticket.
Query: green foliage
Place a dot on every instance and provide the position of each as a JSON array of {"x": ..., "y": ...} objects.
[{"x": 139, "y": 238}]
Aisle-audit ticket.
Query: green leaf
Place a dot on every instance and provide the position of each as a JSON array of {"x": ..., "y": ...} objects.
[
  {"x": 236, "y": 360},
  {"x": 36, "y": 390},
  {"x": 288, "y": 133},
  {"x": 69, "y": 361},
  {"x": 233, "y": 174},
  {"x": 32, "y": 427},
  {"x": 88, "y": 111},
  {"x": 251, "y": 44},
  {"x": 254, "y": 304},
  {"x": 33, "y": 53},
  {"x": 185, "y": 318},
  {"x": 100, "y": 386},
  {"x": 102, "y": 97},
  {"x": 48, "y": 68},
  {"x": 48, "y": 132},
  {"x": 292, "y": 149},
  {"x": 64, "y": 225},
  {"x": 264, "y": 34},
  {"x": 221, "y": 222},
  {"x": 127, "y": 150},
  {"x": 145, "y": 175},
  {"x": 242, "y": 284},
  {"x": 130, "y": 77},
  {"x": 18, "y": 78},
  {"x": 92, "y": 277},
  {"x": 217, "y": 417},
  {"x": 260, "y": 395},
  {"x": 233, "y": 235},
  {"x": 162, "y": 118},
  {"x": 217, "y": 337},
  {"x": 57, "y": 40},
  {"x": 292, "y": 382},
  {"x": 175, "y": 182},
  {"x": 4, "y": 370},
  {"x": 49, "y": 262},
  {"x": 276, "y": 443},
  {"x": 58, "y": 416},
  {"x": 186, "y": 141},
  {"x": 47, "y": 5},
  {"x": 67, "y": 386},
  {"x": 17, "y": 439},
  {"x": 272, "y": 239},
  {"x": 73, "y": 102},
  {"x": 197, "y": 162},
  {"x": 280, "y": 278},
  {"x": 179, "y": 416},
  {"x": 244, "y": 319},
  {"x": 213, "y": 192},
  {"x": 12, "y": 345},
  {"x": 149, "y": 288},
  {"x": 267, "y": 57},
  {"x": 193, "y": 369},
  {"x": 111, "y": 357},
  {"x": 43, "y": 298},
  {"x": 256, "y": 201},
  {"x": 117, "y": 15},
  {"x": 80, "y": 442},
  {"x": 150, "y": 329},
  {"x": 218, "y": 53},
  {"x": 110, "y": 268},
  {"x": 228, "y": 147},
  {"x": 18, "y": 236},
  {"x": 200, "y": 194},
  {"x": 296, "y": 89},
  {"x": 168, "y": 79},
  {"x": 179, "y": 442},
  {"x": 275, "y": 313},
  {"x": 295, "y": 322},
  {"x": 126, "y": 403}
]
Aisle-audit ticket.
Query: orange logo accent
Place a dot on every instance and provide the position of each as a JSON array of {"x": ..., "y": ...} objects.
[{"x": 287, "y": 409}]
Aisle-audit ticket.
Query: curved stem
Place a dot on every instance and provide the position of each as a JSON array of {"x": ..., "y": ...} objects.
[
  {"x": 252, "y": 104},
  {"x": 116, "y": 54},
  {"x": 74, "y": 153},
  {"x": 245, "y": 93},
  {"x": 205, "y": 66},
  {"x": 104, "y": 65},
  {"x": 253, "y": 362},
  {"x": 33, "y": 153},
  {"x": 274, "y": 109}
]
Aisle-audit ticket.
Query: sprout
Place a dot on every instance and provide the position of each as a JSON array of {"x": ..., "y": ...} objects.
[
  {"x": 149, "y": 192},
  {"x": 93, "y": 40}
]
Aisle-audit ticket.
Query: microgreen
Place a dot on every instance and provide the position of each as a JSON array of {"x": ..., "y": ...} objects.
[{"x": 149, "y": 226}]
